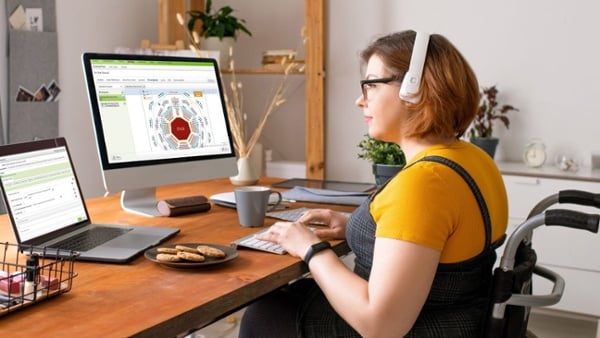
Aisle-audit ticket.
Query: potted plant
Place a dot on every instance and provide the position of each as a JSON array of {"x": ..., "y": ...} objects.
[
  {"x": 481, "y": 131},
  {"x": 219, "y": 29},
  {"x": 387, "y": 158}
]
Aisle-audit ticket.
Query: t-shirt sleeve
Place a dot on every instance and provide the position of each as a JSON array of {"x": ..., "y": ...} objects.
[{"x": 416, "y": 206}]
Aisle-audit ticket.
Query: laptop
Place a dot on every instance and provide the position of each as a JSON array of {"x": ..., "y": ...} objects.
[{"x": 46, "y": 208}]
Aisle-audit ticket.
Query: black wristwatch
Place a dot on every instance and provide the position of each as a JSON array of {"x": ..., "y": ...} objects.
[{"x": 316, "y": 248}]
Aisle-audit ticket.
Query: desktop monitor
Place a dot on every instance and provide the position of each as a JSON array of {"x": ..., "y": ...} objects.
[{"x": 158, "y": 120}]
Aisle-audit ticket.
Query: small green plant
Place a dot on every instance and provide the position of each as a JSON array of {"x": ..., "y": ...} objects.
[
  {"x": 489, "y": 110},
  {"x": 218, "y": 24},
  {"x": 380, "y": 152}
]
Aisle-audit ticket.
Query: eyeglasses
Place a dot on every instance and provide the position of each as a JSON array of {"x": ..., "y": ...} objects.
[{"x": 365, "y": 85}]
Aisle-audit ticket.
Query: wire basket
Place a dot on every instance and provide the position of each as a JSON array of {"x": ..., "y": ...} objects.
[{"x": 31, "y": 274}]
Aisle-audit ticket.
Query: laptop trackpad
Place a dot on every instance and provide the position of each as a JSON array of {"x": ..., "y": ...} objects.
[{"x": 134, "y": 239}]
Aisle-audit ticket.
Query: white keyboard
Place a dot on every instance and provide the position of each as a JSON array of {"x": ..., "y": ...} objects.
[
  {"x": 290, "y": 215},
  {"x": 252, "y": 242}
]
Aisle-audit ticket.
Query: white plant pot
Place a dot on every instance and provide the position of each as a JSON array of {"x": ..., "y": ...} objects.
[
  {"x": 246, "y": 174},
  {"x": 222, "y": 46}
]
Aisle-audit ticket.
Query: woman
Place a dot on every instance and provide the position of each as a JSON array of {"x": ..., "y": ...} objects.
[{"x": 424, "y": 255}]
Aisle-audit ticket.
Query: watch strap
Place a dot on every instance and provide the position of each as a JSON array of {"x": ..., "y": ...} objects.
[{"x": 316, "y": 248}]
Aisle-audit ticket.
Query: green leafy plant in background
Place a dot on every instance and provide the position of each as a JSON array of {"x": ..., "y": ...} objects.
[
  {"x": 218, "y": 24},
  {"x": 380, "y": 152}
]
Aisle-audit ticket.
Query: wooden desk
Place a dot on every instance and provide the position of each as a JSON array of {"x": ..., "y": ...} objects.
[{"x": 145, "y": 299}]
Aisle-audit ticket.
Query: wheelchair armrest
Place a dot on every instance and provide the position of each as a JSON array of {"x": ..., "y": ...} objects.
[
  {"x": 579, "y": 197},
  {"x": 569, "y": 196},
  {"x": 543, "y": 205},
  {"x": 541, "y": 300},
  {"x": 567, "y": 218}
]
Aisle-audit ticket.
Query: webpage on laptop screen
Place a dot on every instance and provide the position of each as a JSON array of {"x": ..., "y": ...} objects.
[{"x": 41, "y": 191}]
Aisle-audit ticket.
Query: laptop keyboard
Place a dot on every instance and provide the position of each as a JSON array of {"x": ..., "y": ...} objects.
[{"x": 90, "y": 239}]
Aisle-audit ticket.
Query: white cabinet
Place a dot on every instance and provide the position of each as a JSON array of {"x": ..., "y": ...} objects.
[{"x": 574, "y": 254}]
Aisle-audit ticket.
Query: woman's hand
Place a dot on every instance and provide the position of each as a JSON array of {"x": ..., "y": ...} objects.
[
  {"x": 335, "y": 222},
  {"x": 294, "y": 237},
  {"x": 297, "y": 237}
]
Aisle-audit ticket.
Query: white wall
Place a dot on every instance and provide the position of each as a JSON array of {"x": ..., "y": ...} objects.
[
  {"x": 541, "y": 54},
  {"x": 93, "y": 26}
]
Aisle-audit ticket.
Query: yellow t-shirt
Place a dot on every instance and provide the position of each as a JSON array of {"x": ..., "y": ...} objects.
[{"x": 430, "y": 204}]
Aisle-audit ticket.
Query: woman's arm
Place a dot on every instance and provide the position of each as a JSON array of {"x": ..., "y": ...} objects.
[{"x": 387, "y": 305}]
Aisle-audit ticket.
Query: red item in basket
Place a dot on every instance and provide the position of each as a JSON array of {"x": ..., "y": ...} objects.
[
  {"x": 10, "y": 283},
  {"x": 49, "y": 282}
]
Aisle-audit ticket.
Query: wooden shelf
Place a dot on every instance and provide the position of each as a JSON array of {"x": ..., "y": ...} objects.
[{"x": 314, "y": 71}]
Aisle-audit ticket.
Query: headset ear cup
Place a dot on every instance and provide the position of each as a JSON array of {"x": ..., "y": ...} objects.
[
  {"x": 412, "y": 79},
  {"x": 403, "y": 93},
  {"x": 402, "y": 90},
  {"x": 408, "y": 92}
]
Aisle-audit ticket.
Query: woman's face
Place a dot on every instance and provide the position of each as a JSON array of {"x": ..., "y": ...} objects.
[{"x": 382, "y": 107}]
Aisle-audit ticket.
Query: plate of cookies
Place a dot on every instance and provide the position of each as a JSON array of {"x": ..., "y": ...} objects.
[{"x": 190, "y": 255}]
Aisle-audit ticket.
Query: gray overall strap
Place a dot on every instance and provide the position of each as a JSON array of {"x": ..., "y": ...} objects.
[{"x": 474, "y": 188}]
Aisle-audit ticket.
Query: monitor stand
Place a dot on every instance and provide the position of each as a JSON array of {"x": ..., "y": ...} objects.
[{"x": 140, "y": 201}]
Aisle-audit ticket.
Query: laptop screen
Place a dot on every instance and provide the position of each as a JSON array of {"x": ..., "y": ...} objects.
[{"x": 41, "y": 192}]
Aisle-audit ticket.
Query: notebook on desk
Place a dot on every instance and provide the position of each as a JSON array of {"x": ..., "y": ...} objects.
[
  {"x": 325, "y": 196},
  {"x": 326, "y": 185},
  {"x": 47, "y": 210},
  {"x": 227, "y": 199}
]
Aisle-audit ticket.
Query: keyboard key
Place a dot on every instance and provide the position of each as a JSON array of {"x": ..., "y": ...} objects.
[
  {"x": 292, "y": 215},
  {"x": 91, "y": 238},
  {"x": 252, "y": 242}
]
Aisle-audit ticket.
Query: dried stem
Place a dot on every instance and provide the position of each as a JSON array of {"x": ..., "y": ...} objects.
[
  {"x": 194, "y": 39},
  {"x": 237, "y": 118},
  {"x": 278, "y": 99}
]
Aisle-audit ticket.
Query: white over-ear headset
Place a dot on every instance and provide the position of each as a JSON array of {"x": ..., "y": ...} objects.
[{"x": 412, "y": 78}]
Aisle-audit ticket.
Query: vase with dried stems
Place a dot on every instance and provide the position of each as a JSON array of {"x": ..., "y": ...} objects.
[{"x": 238, "y": 119}]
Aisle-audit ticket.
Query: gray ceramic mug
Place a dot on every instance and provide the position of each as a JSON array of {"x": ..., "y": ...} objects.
[{"x": 252, "y": 203}]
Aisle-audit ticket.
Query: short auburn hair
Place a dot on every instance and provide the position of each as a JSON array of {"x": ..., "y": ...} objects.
[{"x": 449, "y": 89}]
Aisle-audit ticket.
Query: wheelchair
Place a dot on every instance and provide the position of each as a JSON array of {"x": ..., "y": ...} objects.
[{"x": 512, "y": 298}]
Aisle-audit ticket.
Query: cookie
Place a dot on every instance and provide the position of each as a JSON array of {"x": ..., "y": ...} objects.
[
  {"x": 164, "y": 257},
  {"x": 186, "y": 249},
  {"x": 172, "y": 251},
  {"x": 209, "y": 251},
  {"x": 188, "y": 256}
]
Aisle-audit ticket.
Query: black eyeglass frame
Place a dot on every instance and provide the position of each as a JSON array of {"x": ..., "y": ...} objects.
[{"x": 385, "y": 80}]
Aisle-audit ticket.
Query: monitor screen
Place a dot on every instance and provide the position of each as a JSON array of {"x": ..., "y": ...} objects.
[{"x": 158, "y": 120}]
